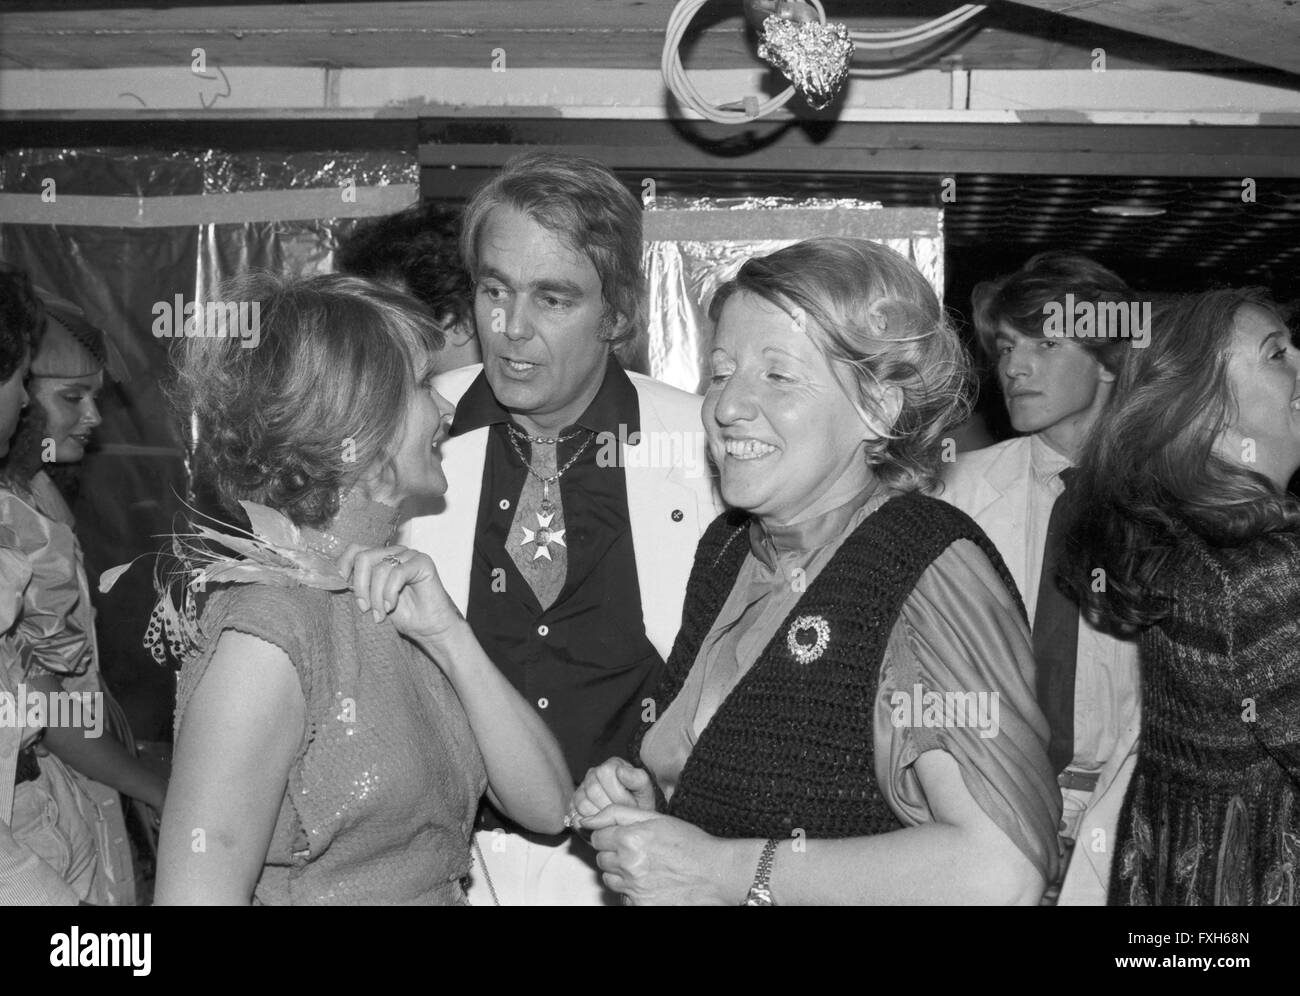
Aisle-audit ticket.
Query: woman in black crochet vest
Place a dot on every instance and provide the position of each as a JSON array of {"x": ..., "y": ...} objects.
[
  {"x": 848, "y": 714},
  {"x": 1182, "y": 503}
]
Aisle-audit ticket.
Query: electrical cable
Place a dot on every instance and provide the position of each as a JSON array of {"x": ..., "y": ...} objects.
[
  {"x": 750, "y": 107},
  {"x": 685, "y": 91},
  {"x": 920, "y": 33}
]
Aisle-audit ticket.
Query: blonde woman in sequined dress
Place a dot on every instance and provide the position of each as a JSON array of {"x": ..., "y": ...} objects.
[{"x": 322, "y": 756}]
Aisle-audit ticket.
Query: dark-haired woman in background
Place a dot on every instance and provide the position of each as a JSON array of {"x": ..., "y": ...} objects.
[
  {"x": 1182, "y": 511},
  {"x": 55, "y": 630},
  {"x": 332, "y": 749},
  {"x": 27, "y": 875}
]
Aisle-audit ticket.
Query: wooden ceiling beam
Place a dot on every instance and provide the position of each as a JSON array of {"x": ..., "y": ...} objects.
[
  {"x": 587, "y": 33},
  {"x": 463, "y": 149},
  {"x": 1265, "y": 32}
]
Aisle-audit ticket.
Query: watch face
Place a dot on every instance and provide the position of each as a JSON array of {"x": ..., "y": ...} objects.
[{"x": 758, "y": 896}]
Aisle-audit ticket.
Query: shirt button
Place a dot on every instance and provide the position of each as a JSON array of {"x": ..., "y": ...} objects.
[
  {"x": 543, "y": 630},
  {"x": 504, "y": 504},
  {"x": 677, "y": 515},
  {"x": 543, "y": 702}
]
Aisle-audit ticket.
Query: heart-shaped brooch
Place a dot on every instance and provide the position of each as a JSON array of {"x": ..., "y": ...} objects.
[{"x": 808, "y": 638}]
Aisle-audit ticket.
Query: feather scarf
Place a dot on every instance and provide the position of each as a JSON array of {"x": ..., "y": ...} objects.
[{"x": 272, "y": 552}]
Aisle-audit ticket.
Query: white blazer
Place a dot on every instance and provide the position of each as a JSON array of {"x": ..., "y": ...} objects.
[{"x": 671, "y": 498}]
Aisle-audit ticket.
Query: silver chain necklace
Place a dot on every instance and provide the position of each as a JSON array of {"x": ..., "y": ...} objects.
[
  {"x": 519, "y": 433},
  {"x": 547, "y": 506}
]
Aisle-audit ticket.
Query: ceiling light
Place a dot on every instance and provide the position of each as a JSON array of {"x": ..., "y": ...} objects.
[{"x": 1128, "y": 210}]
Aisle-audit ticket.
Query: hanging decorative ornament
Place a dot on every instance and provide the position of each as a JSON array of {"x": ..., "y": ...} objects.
[{"x": 813, "y": 56}]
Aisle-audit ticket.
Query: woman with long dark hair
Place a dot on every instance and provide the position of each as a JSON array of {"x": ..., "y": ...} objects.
[{"x": 1184, "y": 534}]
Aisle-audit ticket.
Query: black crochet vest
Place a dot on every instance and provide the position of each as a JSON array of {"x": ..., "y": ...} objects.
[{"x": 790, "y": 749}]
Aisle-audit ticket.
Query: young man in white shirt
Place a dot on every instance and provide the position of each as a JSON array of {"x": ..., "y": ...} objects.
[{"x": 1055, "y": 383}]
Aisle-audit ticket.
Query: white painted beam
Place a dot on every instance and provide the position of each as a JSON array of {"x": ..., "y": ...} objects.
[{"x": 1116, "y": 96}]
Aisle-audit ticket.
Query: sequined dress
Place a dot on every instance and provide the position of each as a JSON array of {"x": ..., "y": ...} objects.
[{"x": 382, "y": 793}]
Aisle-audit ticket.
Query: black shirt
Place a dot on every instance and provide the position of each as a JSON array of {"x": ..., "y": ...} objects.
[{"x": 585, "y": 664}]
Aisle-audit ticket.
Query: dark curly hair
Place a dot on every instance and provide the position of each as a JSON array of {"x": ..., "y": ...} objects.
[
  {"x": 23, "y": 461},
  {"x": 22, "y": 319},
  {"x": 320, "y": 400},
  {"x": 419, "y": 249}
]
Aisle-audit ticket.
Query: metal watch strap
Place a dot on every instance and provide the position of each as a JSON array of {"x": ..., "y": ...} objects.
[{"x": 760, "y": 893}]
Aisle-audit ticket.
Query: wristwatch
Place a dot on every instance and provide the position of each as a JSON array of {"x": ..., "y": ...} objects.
[{"x": 760, "y": 893}]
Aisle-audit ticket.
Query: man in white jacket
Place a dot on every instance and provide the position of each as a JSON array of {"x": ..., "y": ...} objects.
[
  {"x": 1055, "y": 383},
  {"x": 576, "y": 492}
]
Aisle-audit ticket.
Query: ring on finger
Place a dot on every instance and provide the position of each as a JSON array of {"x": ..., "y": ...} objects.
[{"x": 389, "y": 558}]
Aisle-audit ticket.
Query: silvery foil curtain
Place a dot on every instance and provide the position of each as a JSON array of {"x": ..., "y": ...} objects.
[
  {"x": 694, "y": 245},
  {"x": 121, "y": 231}
]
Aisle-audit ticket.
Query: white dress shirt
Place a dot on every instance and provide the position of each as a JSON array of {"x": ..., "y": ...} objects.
[{"x": 1009, "y": 490}]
